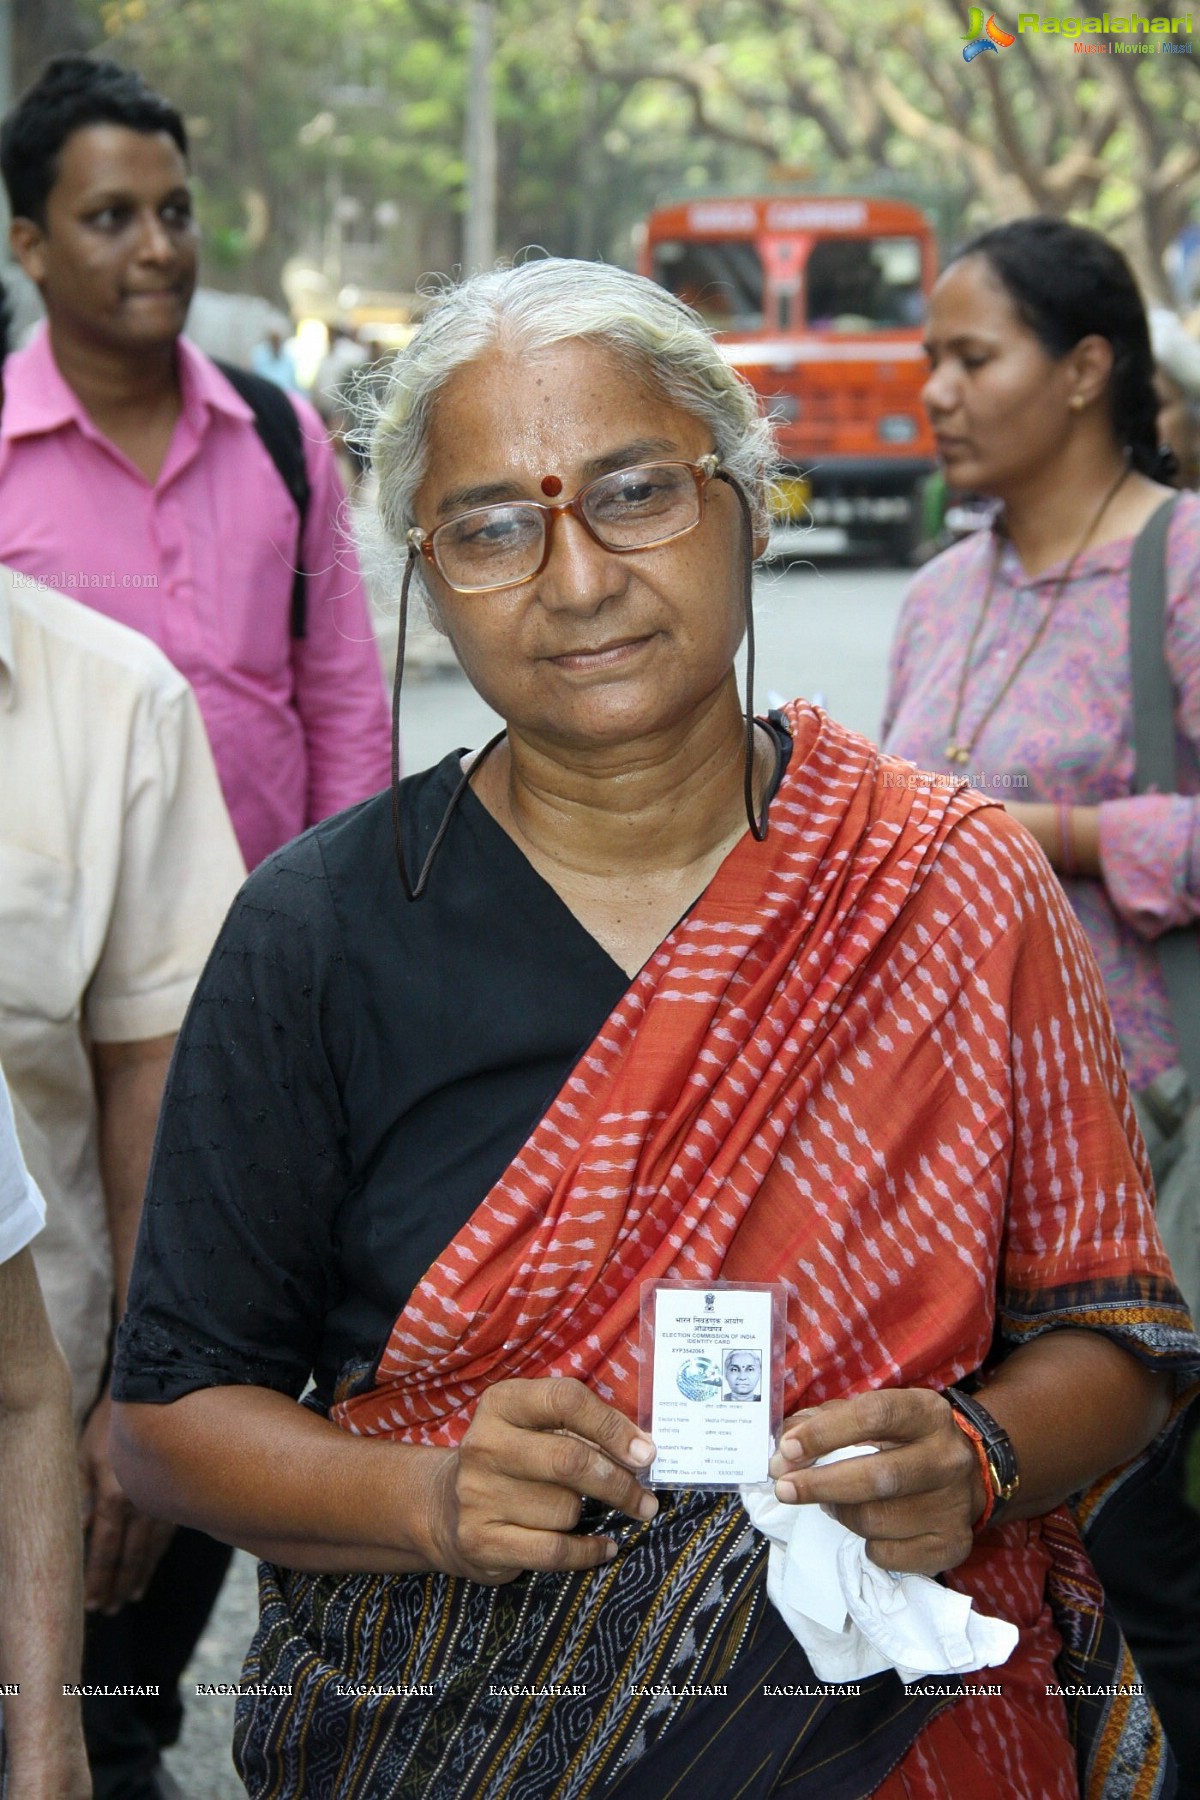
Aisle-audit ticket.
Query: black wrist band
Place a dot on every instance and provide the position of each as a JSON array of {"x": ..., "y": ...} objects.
[{"x": 998, "y": 1448}]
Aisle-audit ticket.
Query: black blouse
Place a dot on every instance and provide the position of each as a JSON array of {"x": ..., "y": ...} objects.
[{"x": 355, "y": 1073}]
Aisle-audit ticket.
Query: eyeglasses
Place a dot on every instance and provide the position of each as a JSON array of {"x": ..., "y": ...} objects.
[{"x": 503, "y": 546}]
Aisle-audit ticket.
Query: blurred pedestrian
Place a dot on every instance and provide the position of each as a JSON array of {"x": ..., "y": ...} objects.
[
  {"x": 342, "y": 358},
  {"x": 41, "y": 1739},
  {"x": 273, "y": 360},
  {"x": 134, "y": 475},
  {"x": 337, "y": 397},
  {"x": 1011, "y": 668},
  {"x": 1177, "y": 384}
]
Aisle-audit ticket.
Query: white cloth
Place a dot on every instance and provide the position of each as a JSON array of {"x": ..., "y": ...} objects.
[
  {"x": 852, "y": 1618},
  {"x": 22, "y": 1209}
]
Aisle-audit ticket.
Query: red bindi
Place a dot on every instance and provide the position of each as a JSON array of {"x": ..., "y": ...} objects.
[{"x": 551, "y": 485}]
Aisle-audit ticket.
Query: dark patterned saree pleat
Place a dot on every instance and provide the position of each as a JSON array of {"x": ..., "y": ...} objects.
[{"x": 555, "y": 1688}]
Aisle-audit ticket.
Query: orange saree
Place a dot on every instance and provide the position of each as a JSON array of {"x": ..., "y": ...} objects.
[{"x": 874, "y": 1063}]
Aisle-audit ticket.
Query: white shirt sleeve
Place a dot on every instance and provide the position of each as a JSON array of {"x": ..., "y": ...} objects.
[
  {"x": 180, "y": 869},
  {"x": 22, "y": 1209}
]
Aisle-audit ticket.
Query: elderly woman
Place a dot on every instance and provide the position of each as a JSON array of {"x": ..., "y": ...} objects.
[{"x": 659, "y": 991}]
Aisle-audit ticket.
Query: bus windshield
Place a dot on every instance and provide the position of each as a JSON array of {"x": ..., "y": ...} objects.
[
  {"x": 864, "y": 284},
  {"x": 722, "y": 280}
]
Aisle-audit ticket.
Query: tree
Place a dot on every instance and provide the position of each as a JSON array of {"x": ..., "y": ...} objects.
[
  {"x": 40, "y": 28},
  {"x": 292, "y": 105},
  {"x": 606, "y": 106},
  {"x": 1109, "y": 139},
  {"x": 297, "y": 108}
]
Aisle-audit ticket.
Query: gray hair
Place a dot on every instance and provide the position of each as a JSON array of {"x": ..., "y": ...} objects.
[{"x": 550, "y": 300}]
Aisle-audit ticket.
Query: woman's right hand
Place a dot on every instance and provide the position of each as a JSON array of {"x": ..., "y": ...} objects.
[{"x": 509, "y": 1498}]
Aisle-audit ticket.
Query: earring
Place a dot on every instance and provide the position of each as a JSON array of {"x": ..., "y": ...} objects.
[{"x": 1076, "y": 403}]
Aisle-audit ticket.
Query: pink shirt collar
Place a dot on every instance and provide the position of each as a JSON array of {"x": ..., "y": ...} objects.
[{"x": 37, "y": 399}]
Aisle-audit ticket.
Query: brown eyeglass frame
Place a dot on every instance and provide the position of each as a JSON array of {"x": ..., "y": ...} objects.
[{"x": 702, "y": 473}]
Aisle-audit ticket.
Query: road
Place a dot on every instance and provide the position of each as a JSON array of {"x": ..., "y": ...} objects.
[{"x": 823, "y": 632}]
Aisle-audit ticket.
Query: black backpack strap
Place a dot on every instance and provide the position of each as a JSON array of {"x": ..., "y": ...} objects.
[
  {"x": 1155, "y": 761},
  {"x": 278, "y": 426},
  {"x": 1153, "y": 691}
]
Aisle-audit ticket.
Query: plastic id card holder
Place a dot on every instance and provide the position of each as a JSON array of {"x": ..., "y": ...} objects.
[{"x": 711, "y": 1382}]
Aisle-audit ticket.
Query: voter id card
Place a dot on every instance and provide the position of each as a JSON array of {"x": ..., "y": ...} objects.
[{"x": 711, "y": 1386}]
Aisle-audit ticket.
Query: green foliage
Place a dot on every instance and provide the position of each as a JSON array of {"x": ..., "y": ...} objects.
[{"x": 605, "y": 107}]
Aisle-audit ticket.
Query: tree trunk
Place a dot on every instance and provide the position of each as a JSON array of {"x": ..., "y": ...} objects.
[{"x": 41, "y": 29}]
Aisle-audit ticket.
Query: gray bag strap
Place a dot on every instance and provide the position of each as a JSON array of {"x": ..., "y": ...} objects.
[{"x": 1154, "y": 759}]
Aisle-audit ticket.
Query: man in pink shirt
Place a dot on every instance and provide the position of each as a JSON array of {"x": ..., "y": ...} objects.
[
  {"x": 133, "y": 478},
  {"x": 132, "y": 475}
]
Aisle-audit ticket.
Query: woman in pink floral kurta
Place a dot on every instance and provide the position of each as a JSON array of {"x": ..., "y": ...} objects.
[
  {"x": 1063, "y": 733},
  {"x": 1011, "y": 669}
]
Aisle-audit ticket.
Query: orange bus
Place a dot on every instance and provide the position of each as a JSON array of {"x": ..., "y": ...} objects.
[{"x": 818, "y": 301}]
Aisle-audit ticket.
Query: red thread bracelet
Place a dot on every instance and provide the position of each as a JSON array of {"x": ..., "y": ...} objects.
[{"x": 976, "y": 1438}]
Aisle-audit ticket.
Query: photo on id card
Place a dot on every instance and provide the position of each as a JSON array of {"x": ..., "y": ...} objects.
[{"x": 711, "y": 1383}]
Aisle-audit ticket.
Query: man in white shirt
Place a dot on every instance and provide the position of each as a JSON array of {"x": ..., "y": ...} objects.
[{"x": 117, "y": 863}]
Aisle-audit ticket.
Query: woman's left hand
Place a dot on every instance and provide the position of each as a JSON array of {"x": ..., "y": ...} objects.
[{"x": 915, "y": 1502}]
